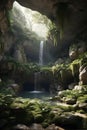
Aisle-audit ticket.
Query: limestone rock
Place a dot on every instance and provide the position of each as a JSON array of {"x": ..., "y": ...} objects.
[
  {"x": 83, "y": 76},
  {"x": 83, "y": 106},
  {"x": 36, "y": 127},
  {"x": 78, "y": 87},
  {"x": 54, "y": 127},
  {"x": 73, "y": 54},
  {"x": 21, "y": 127}
]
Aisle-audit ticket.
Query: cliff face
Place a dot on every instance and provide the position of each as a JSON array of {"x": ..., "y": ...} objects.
[
  {"x": 5, "y": 6},
  {"x": 69, "y": 16}
]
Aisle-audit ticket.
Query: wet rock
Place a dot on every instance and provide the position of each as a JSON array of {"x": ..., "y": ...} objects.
[
  {"x": 83, "y": 106},
  {"x": 21, "y": 127},
  {"x": 54, "y": 127},
  {"x": 68, "y": 120},
  {"x": 36, "y": 127}
]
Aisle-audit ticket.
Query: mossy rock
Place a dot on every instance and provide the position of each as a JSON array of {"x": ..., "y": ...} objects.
[
  {"x": 66, "y": 76},
  {"x": 38, "y": 118},
  {"x": 74, "y": 66},
  {"x": 66, "y": 107},
  {"x": 68, "y": 120},
  {"x": 70, "y": 100},
  {"x": 82, "y": 99},
  {"x": 19, "y": 103},
  {"x": 22, "y": 116},
  {"x": 64, "y": 93}
]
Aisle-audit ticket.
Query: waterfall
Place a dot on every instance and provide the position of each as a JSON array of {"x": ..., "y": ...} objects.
[
  {"x": 37, "y": 75},
  {"x": 41, "y": 53}
]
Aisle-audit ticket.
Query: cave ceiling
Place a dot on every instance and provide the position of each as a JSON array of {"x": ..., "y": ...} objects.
[{"x": 77, "y": 22}]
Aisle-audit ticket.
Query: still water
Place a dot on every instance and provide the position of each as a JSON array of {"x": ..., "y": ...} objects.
[{"x": 36, "y": 94}]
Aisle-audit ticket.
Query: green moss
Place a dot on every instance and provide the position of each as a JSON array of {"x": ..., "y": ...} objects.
[
  {"x": 45, "y": 69},
  {"x": 20, "y": 103},
  {"x": 28, "y": 111},
  {"x": 81, "y": 111},
  {"x": 74, "y": 66},
  {"x": 82, "y": 99},
  {"x": 38, "y": 118},
  {"x": 12, "y": 68}
]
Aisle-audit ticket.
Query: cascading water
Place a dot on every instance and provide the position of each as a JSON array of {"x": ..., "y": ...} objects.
[
  {"x": 41, "y": 53},
  {"x": 37, "y": 74},
  {"x": 38, "y": 90}
]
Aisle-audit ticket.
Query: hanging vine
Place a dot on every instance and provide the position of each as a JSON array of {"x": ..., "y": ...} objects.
[{"x": 53, "y": 33}]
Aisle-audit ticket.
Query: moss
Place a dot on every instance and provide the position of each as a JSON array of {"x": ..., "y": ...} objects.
[
  {"x": 62, "y": 74},
  {"x": 74, "y": 66},
  {"x": 45, "y": 124},
  {"x": 81, "y": 111},
  {"x": 66, "y": 108},
  {"x": 82, "y": 99},
  {"x": 20, "y": 103},
  {"x": 45, "y": 68}
]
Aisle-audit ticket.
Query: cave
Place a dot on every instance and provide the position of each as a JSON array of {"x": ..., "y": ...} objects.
[{"x": 43, "y": 65}]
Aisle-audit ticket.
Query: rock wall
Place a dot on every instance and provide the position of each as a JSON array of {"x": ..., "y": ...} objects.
[
  {"x": 76, "y": 12},
  {"x": 5, "y": 6}
]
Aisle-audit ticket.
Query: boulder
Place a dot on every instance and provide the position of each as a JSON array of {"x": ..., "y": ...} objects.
[
  {"x": 69, "y": 120},
  {"x": 83, "y": 106},
  {"x": 73, "y": 54},
  {"x": 78, "y": 87},
  {"x": 21, "y": 127},
  {"x": 36, "y": 127},
  {"x": 54, "y": 127},
  {"x": 83, "y": 76}
]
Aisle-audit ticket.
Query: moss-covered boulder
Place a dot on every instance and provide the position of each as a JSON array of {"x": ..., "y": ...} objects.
[{"x": 68, "y": 120}]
